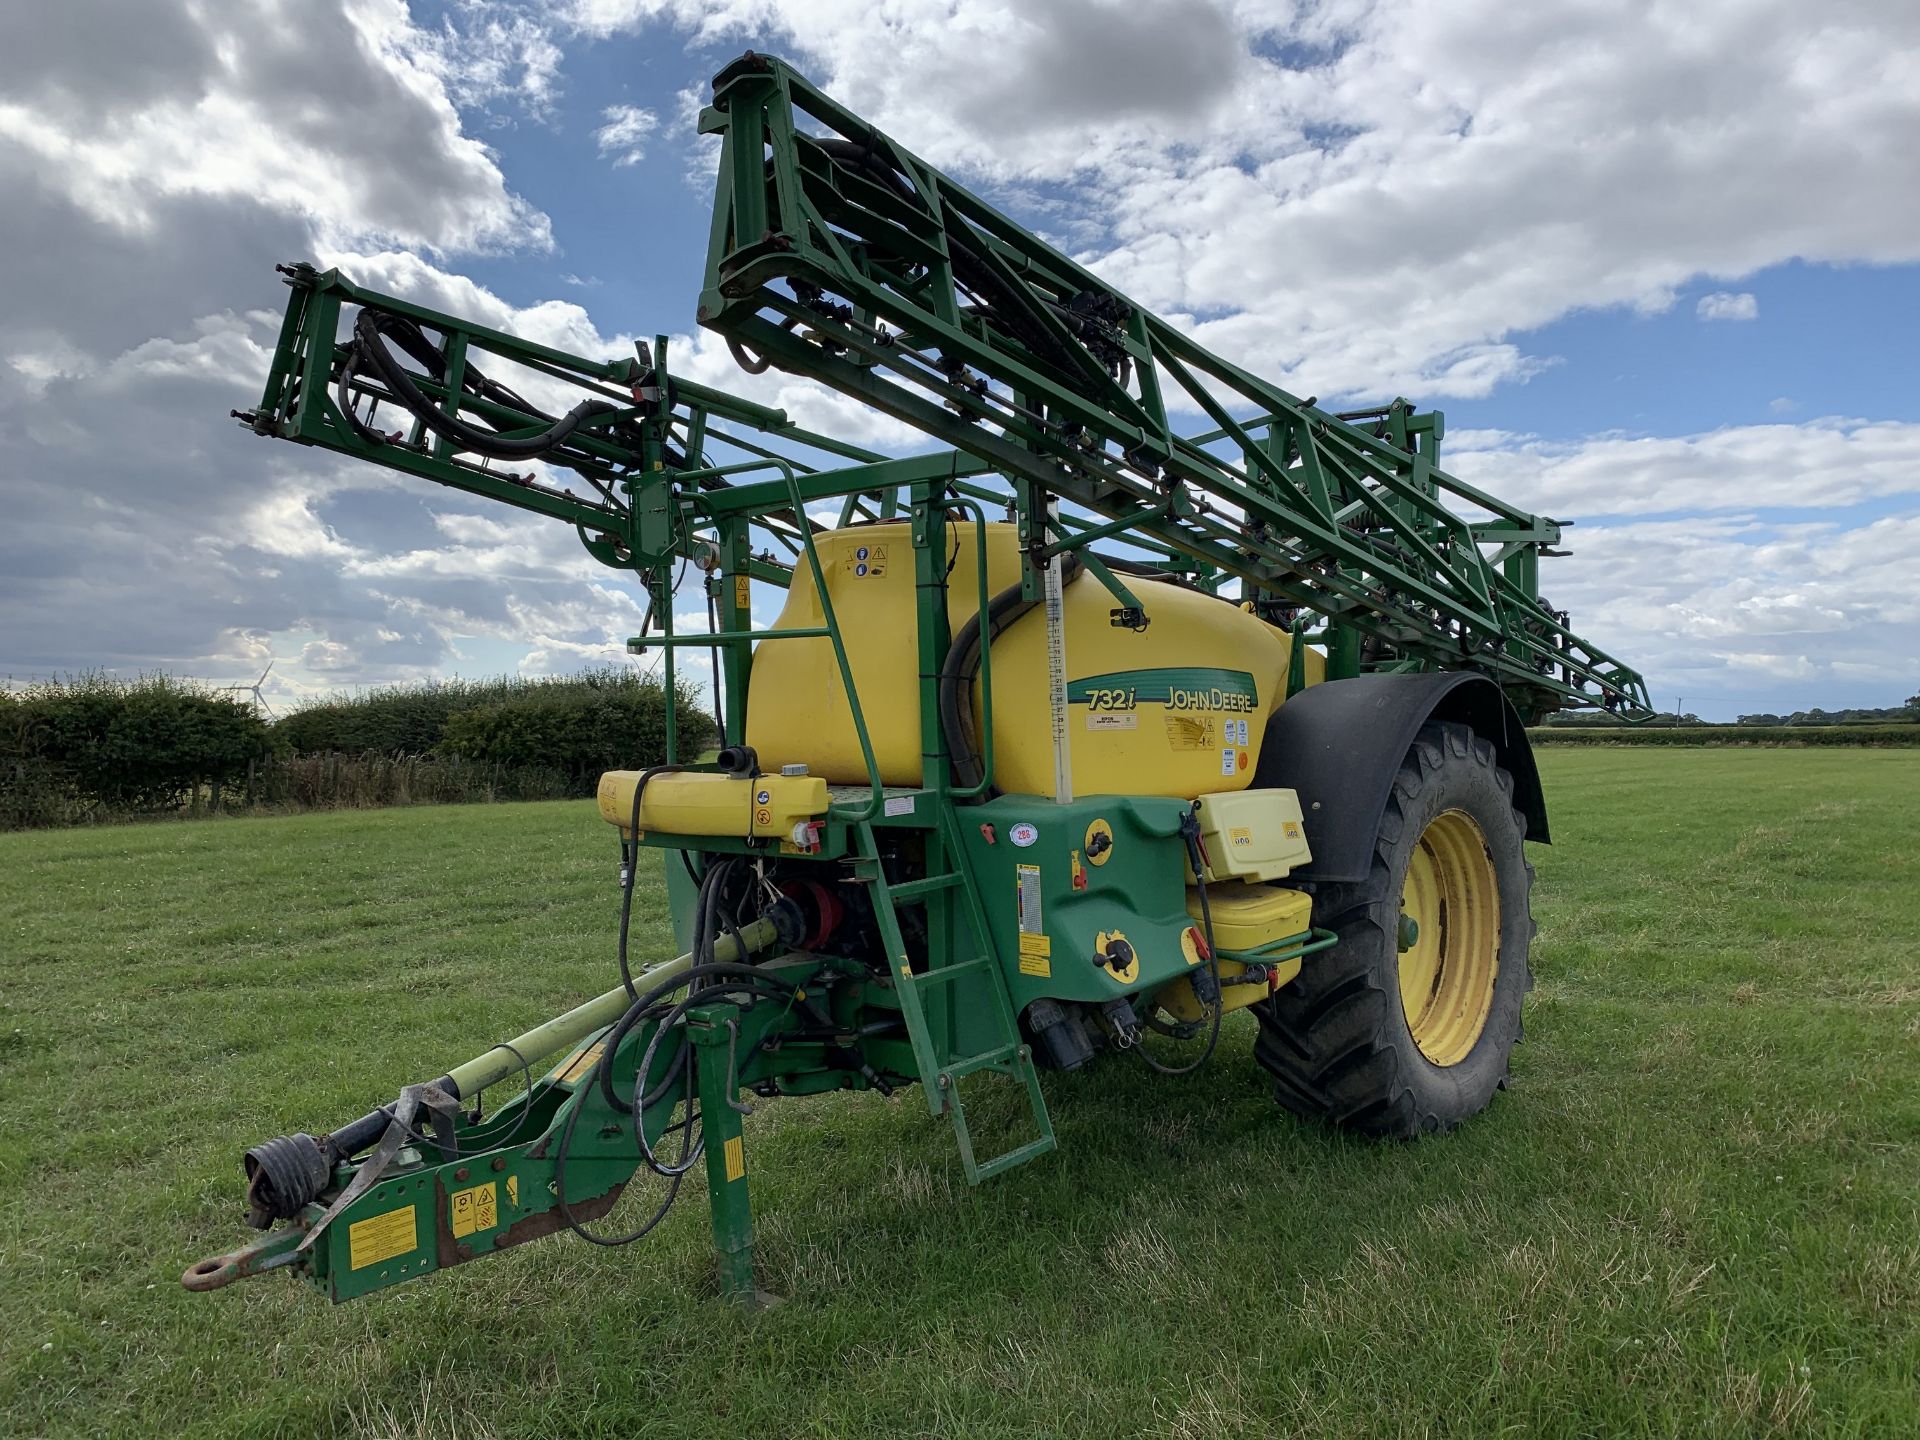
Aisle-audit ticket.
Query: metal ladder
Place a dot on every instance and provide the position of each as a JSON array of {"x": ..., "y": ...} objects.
[{"x": 971, "y": 978}]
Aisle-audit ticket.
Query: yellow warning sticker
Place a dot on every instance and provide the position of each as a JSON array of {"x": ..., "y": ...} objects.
[
  {"x": 1240, "y": 836},
  {"x": 381, "y": 1237},
  {"x": 1190, "y": 732},
  {"x": 581, "y": 1063},
  {"x": 735, "y": 1153},
  {"x": 475, "y": 1209},
  {"x": 513, "y": 1189},
  {"x": 1036, "y": 956},
  {"x": 742, "y": 592}
]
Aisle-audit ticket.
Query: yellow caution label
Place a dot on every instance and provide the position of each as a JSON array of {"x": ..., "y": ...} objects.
[
  {"x": 581, "y": 1063},
  {"x": 1190, "y": 732},
  {"x": 1036, "y": 952},
  {"x": 743, "y": 592},
  {"x": 735, "y": 1153},
  {"x": 513, "y": 1189},
  {"x": 475, "y": 1209},
  {"x": 381, "y": 1237},
  {"x": 1240, "y": 836}
]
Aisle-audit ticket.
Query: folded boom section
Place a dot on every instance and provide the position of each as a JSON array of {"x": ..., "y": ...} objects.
[{"x": 838, "y": 254}]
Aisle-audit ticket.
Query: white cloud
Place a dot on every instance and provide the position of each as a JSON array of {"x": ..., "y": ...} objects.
[
  {"x": 1818, "y": 465},
  {"x": 1724, "y": 305},
  {"x": 1376, "y": 198},
  {"x": 487, "y": 51},
  {"x": 337, "y": 115},
  {"x": 1756, "y": 617},
  {"x": 623, "y": 139}
]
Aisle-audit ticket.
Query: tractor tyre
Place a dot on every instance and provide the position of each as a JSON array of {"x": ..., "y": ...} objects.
[{"x": 1405, "y": 1025}]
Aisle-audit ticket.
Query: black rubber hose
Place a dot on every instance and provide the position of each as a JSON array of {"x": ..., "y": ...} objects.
[
  {"x": 1190, "y": 832},
  {"x": 962, "y": 664},
  {"x": 1020, "y": 316},
  {"x": 565, "y": 1147},
  {"x": 368, "y": 331},
  {"x": 630, "y": 854},
  {"x": 752, "y": 364},
  {"x": 726, "y": 970}
]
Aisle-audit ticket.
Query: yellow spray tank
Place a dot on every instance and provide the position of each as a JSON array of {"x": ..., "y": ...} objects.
[{"x": 1178, "y": 709}]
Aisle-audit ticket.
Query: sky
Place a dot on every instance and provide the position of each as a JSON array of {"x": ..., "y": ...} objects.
[{"x": 1659, "y": 263}]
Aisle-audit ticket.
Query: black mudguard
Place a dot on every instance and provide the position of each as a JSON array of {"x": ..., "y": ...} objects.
[{"x": 1340, "y": 744}]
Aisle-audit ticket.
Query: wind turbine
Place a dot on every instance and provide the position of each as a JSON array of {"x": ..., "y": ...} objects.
[{"x": 259, "y": 700}]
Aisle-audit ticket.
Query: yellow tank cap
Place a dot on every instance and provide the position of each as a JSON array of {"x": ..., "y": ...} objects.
[{"x": 697, "y": 803}]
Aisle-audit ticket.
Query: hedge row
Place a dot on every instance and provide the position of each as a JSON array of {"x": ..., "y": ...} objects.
[
  {"x": 350, "y": 782},
  {"x": 1721, "y": 735},
  {"x": 90, "y": 746},
  {"x": 97, "y": 748}
]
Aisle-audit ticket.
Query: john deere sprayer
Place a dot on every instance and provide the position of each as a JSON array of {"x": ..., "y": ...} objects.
[{"x": 1155, "y": 693}]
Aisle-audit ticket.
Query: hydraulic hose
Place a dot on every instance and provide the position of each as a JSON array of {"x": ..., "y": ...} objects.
[
  {"x": 1190, "y": 832},
  {"x": 962, "y": 664},
  {"x": 1012, "y": 307},
  {"x": 369, "y": 345}
]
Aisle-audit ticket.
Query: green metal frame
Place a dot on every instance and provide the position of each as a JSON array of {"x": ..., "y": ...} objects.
[{"x": 892, "y": 283}]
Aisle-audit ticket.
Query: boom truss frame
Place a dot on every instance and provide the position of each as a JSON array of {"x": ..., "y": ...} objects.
[{"x": 837, "y": 254}]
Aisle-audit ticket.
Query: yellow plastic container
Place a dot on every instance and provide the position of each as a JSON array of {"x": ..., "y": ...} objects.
[
  {"x": 705, "y": 804},
  {"x": 1245, "y": 917},
  {"x": 1179, "y": 709},
  {"x": 1252, "y": 835}
]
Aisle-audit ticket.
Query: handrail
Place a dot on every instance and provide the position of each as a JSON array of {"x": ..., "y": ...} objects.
[
  {"x": 986, "y": 654},
  {"x": 874, "y": 797}
]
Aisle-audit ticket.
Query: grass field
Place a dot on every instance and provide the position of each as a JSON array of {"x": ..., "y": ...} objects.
[{"x": 1694, "y": 1214}]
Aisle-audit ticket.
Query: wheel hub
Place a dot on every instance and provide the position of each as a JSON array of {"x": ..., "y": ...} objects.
[{"x": 1450, "y": 953}]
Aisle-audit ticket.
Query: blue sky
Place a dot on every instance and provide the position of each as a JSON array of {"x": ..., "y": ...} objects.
[{"x": 1658, "y": 268}]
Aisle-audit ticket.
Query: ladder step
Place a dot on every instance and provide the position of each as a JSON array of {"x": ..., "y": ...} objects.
[
  {"x": 1017, "y": 1156},
  {"x": 913, "y": 889},
  {"x": 1000, "y": 1057},
  {"x": 949, "y": 972}
]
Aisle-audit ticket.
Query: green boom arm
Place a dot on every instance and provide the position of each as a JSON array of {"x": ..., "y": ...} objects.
[
  {"x": 384, "y": 380},
  {"x": 838, "y": 254}
]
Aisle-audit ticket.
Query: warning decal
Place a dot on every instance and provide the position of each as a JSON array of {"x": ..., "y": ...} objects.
[
  {"x": 868, "y": 561},
  {"x": 581, "y": 1063},
  {"x": 381, "y": 1238},
  {"x": 475, "y": 1209},
  {"x": 1036, "y": 953},
  {"x": 1029, "y": 892},
  {"x": 1191, "y": 732}
]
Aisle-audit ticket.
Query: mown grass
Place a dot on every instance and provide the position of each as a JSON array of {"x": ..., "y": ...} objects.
[{"x": 1694, "y": 1214}]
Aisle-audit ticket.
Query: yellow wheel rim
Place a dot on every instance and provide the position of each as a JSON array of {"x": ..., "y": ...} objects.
[{"x": 1452, "y": 896}]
